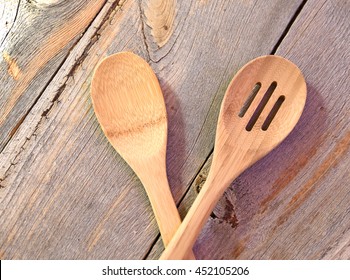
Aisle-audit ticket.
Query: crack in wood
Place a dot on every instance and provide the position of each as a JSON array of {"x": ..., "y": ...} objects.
[{"x": 289, "y": 25}]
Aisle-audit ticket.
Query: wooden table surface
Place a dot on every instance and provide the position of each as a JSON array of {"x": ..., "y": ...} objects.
[{"x": 66, "y": 194}]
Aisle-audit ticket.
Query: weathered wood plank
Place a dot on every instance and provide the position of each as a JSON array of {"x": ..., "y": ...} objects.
[
  {"x": 39, "y": 40},
  {"x": 66, "y": 193},
  {"x": 294, "y": 204}
]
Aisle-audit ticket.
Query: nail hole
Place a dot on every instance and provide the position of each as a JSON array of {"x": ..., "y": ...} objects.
[
  {"x": 261, "y": 106},
  {"x": 249, "y": 100},
  {"x": 273, "y": 112}
]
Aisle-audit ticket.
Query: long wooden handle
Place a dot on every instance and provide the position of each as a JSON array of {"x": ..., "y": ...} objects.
[
  {"x": 195, "y": 219},
  {"x": 164, "y": 208}
]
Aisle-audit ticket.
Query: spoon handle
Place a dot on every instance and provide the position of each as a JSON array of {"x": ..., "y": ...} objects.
[
  {"x": 195, "y": 219},
  {"x": 164, "y": 207}
]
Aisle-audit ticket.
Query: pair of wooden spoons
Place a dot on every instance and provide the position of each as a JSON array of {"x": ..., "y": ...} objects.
[{"x": 261, "y": 106}]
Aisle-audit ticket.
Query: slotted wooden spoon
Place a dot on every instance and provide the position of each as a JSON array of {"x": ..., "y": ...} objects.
[
  {"x": 129, "y": 105},
  {"x": 261, "y": 106}
]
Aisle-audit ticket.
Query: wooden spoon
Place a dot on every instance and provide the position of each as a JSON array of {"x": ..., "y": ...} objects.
[
  {"x": 261, "y": 106},
  {"x": 129, "y": 105}
]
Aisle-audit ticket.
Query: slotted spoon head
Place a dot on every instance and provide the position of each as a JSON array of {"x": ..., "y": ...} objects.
[
  {"x": 130, "y": 107},
  {"x": 262, "y": 105}
]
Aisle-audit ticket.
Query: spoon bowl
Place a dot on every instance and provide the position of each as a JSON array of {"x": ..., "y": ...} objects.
[
  {"x": 129, "y": 105},
  {"x": 261, "y": 106}
]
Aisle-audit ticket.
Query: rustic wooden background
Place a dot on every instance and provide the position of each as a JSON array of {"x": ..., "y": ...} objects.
[{"x": 66, "y": 194}]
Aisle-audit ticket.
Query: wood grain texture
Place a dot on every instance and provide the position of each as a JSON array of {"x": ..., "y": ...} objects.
[
  {"x": 40, "y": 36},
  {"x": 59, "y": 201},
  {"x": 294, "y": 204},
  {"x": 160, "y": 16}
]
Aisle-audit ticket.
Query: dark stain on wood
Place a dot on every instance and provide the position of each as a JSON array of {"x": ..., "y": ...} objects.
[
  {"x": 239, "y": 248},
  {"x": 331, "y": 161},
  {"x": 200, "y": 180},
  {"x": 288, "y": 176},
  {"x": 230, "y": 214}
]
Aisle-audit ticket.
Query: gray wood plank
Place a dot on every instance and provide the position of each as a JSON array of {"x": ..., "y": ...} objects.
[
  {"x": 294, "y": 204},
  {"x": 40, "y": 37},
  {"x": 65, "y": 192}
]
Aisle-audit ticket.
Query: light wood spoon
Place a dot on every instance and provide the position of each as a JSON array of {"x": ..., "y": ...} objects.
[
  {"x": 130, "y": 107},
  {"x": 261, "y": 106}
]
